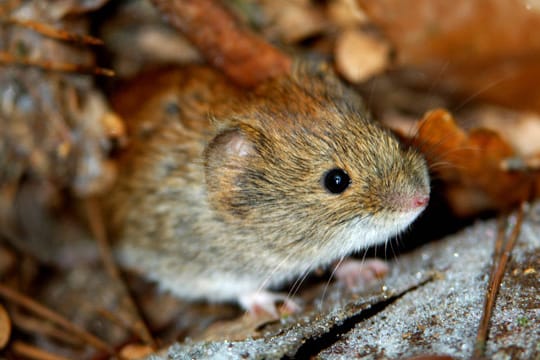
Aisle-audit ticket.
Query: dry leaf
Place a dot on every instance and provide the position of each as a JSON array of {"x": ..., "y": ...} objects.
[
  {"x": 470, "y": 165},
  {"x": 520, "y": 129},
  {"x": 50, "y": 120},
  {"x": 360, "y": 56},
  {"x": 293, "y": 21},
  {"x": 346, "y": 13},
  {"x": 137, "y": 37},
  {"x": 485, "y": 49}
]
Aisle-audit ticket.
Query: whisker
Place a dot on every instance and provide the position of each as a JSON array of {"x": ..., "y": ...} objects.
[
  {"x": 323, "y": 296},
  {"x": 298, "y": 283},
  {"x": 394, "y": 253},
  {"x": 439, "y": 76},
  {"x": 269, "y": 277},
  {"x": 440, "y": 163},
  {"x": 479, "y": 92}
]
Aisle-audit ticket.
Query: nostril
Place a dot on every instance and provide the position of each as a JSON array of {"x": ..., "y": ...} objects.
[
  {"x": 408, "y": 202},
  {"x": 420, "y": 201}
]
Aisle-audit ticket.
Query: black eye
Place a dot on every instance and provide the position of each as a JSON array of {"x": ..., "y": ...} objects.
[{"x": 336, "y": 181}]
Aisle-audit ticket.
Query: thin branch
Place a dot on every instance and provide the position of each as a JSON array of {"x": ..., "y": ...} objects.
[
  {"x": 37, "y": 308},
  {"x": 7, "y": 58},
  {"x": 54, "y": 33},
  {"x": 521, "y": 163},
  {"x": 5, "y": 327},
  {"x": 31, "y": 352},
  {"x": 115, "y": 319},
  {"x": 503, "y": 250},
  {"x": 36, "y": 326},
  {"x": 97, "y": 227},
  {"x": 225, "y": 43}
]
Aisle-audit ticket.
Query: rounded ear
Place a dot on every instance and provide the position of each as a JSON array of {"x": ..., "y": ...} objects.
[{"x": 226, "y": 160}]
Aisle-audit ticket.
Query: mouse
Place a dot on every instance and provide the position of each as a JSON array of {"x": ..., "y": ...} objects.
[{"x": 226, "y": 194}]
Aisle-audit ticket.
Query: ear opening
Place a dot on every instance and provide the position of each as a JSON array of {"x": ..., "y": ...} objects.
[
  {"x": 227, "y": 158},
  {"x": 226, "y": 147}
]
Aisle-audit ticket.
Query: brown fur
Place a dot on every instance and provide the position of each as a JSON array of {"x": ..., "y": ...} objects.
[{"x": 219, "y": 186}]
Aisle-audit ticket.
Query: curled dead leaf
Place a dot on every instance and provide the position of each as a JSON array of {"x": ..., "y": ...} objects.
[
  {"x": 470, "y": 165},
  {"x": 520, "y": 129}
]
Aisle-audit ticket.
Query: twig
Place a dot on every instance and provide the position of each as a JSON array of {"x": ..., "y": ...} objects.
[
  {"x": 97, "y": 227},
  {"x": 7, "y": 58},
  {"x": 54, "y": 33},
  {"x": 502, "y": 226},
  {"x": 115, "y": 319},
  {"x": 246, "y": 58},
  {"x": 29, "y": 351},
  {"x": 5, "y": 327},
  {"x": 53, "y": 316},
  {"x": 521, "y": 163},
  {"x": 32, "y": 325},
  {"x": 503, "y": 250}
]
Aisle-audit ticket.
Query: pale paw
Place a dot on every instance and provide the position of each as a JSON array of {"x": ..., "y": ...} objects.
[
  {"x": 361, "y": 273},
  {"x": 262, "y": 303}
]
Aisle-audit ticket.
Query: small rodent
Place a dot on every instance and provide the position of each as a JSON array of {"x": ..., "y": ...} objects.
[{"x": 228, "y": 192}]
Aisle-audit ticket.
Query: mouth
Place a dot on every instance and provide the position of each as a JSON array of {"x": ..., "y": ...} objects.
[
  {"x": 363, "y": 232},
  {"x": 394, "y": 222}
]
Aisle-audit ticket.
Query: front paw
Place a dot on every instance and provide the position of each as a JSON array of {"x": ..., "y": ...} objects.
[
  {"x": 264, "y": 303},
  {"x": 359, "y": 274}
]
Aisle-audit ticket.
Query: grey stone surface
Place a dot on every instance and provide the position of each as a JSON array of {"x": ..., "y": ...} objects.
[
  {"x": 442, "y": 317},
  {"x": 431, "y": 303}
]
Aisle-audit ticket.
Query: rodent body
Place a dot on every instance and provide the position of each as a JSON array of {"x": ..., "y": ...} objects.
[{"x": 226, "y": 192}]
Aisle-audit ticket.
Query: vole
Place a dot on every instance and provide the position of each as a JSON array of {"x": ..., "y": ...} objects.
[{"x": 228, "y": 192}]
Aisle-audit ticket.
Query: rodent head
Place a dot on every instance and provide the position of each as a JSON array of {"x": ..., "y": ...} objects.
[{"x": 302, "y": 164}]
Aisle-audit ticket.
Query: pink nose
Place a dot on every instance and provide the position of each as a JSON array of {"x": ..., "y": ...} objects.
[{"x": 419, "y": 201}]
